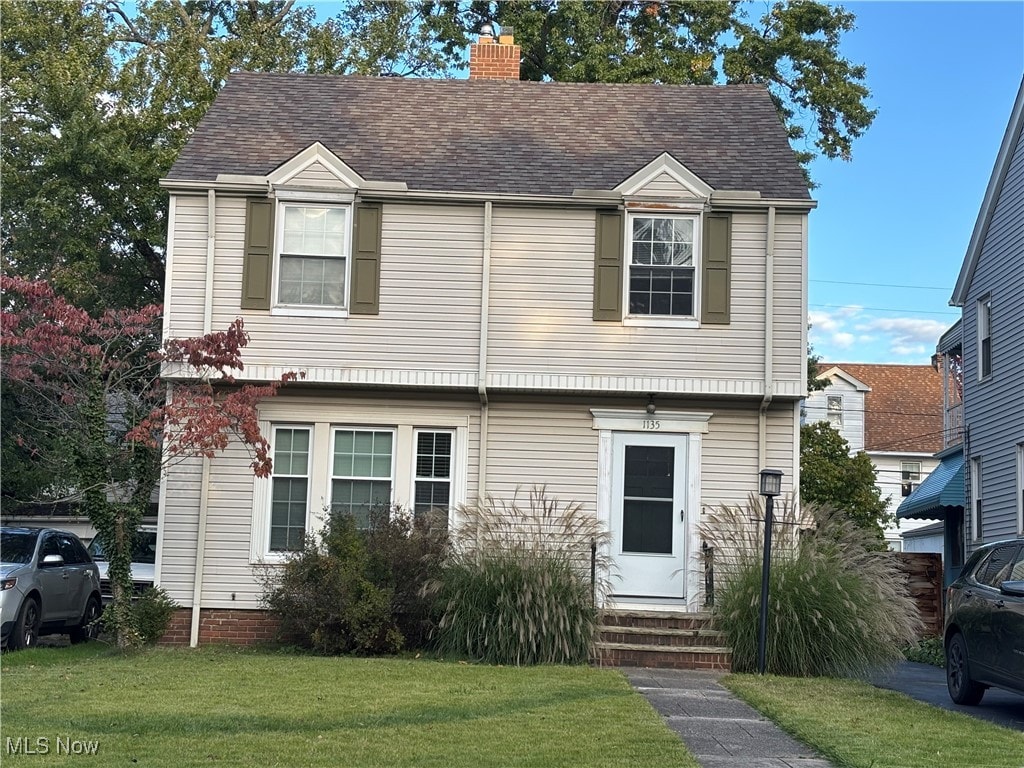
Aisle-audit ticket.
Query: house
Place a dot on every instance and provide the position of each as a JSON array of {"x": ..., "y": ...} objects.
[
  {"x": 490, "y": 284},
  {"x": 894, "y": 414},
  {"x": 980, "y": 481}
]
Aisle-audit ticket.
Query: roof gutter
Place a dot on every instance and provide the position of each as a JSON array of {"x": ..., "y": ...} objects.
[{"x": 388, "y": 191}]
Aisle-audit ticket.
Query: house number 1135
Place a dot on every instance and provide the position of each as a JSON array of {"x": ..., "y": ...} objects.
[{"x": 651, "y": 424}]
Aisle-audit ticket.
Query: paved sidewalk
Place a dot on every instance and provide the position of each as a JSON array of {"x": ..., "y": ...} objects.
[{"x": 719, "y": 730}]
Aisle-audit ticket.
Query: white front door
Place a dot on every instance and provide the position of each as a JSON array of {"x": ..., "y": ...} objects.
[{"x": 649, "y": 515}]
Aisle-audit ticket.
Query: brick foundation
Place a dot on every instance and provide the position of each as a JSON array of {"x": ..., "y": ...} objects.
[{"x": 220, "y": 625}]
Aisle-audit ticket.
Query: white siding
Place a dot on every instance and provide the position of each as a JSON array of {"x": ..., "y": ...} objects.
[
  {"x": 229, "y": 580},
  {"x": 665, "y": 185},
  {"x": 789, "y": 359},
  {"x": 187, "y": 280},
  {"x": 540, "y": 315},
  {"x": 542, "y": 307},
  {"x": 178, "y": 527},
  {"x": 429, "y": 298},
  {"x": 994, "y": 408},
  {"x": 316, "y": 175},
  {"x": 816, "y": 409}
]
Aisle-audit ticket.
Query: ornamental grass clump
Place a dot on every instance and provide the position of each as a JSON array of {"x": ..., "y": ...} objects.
[
  {"x": 837, "y": 606},
  {"x": 518, "y": 588}
]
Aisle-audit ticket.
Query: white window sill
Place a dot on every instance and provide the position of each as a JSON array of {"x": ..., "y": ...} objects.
[
  {"x": 660, "y": 321},
  {"x": 295, "y": 311},
  {"x": 270, "y": 558}
]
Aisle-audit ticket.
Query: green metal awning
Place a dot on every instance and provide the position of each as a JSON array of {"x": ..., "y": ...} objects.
[{"x": 941, "y": 490}]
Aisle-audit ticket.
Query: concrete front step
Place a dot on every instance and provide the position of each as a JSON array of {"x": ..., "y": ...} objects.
[
  {"x": 667, "y": 639},
  {"x": 665, "y": 657},
  {"x": 661, "y": 636}
]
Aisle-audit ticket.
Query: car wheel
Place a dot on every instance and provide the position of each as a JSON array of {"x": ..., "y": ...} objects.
[
  {"x": 26, "y": 628},
  {"x": 89, "y": 628},
  {"x": 962, "y": 689}
]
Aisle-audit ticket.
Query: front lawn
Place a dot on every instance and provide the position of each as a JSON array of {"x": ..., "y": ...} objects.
[
  {"x": 857, "y": 725},
  {"x": 223, "y": 706}
]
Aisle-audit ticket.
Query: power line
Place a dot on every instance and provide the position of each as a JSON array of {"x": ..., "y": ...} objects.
[
  {"x": 945, "y": 313},
  {"x": 886, "y": 285}
]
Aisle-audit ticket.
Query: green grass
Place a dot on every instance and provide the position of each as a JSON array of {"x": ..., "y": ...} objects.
[
  {"x": 221, "y": 706},
  {"x": 859, "y": 726}
]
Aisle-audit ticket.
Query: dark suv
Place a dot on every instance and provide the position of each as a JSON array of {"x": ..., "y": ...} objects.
[{"x": 985, "y": 623}]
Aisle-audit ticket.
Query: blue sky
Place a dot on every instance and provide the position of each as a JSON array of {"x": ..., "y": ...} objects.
[{"x": 943, "y": 77}]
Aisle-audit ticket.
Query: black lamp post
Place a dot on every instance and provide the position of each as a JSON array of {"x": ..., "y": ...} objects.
[{"x": 771, "y": 486}]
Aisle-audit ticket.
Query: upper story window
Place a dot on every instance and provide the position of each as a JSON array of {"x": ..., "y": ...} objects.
[
  {"x": 910, "y": 476},
  {"x": 984, "y": 337},
  {"x": 313, "y": 250},
  {"x": 662, "y": 265},
  {"x": 834, "y": 410}
]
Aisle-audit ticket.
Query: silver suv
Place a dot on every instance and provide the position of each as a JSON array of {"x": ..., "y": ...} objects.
[{"x": 48, "y": 585}]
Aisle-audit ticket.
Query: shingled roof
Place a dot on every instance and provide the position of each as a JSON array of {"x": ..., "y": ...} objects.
[
  {"x": 903, "y": 410},
  {"x": 490, "y": 136}
]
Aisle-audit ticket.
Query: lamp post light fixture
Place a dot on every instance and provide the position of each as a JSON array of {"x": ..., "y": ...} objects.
[{"x": 771, "y": 486}]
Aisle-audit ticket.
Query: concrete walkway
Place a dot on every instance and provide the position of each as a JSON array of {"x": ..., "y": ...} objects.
[{"x": 719, "y": 730}]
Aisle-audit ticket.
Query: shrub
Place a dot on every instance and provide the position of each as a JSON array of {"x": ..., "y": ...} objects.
[
  {"x": 836, "y": 606},
  {"x": 927, "y": 651},
  {"x": 518, "y": 589},
  {"x": 357, "y": 591},
  {"x": 153, "y": 610}
]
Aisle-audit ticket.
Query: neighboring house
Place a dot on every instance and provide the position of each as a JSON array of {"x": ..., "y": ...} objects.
[
  {"x": 894, "y": 414},
  {"x": 980, "y": 482},
  {"x": 490, "y": 284},
  {"x": 925, "y": 538}
]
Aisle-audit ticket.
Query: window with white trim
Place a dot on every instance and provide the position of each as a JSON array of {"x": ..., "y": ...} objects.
[
  {"x": 910, "y": 476},
  {"x": 361, "y": 472},
  {"x": 662, "y": 265},
  {"x": 432, "y": 485},
  {"x": 834, "y": 410},
  {"x": 289, "y": 494},
  {"x": 313, "y": 251},
  {"x": 984, "y": 337}
]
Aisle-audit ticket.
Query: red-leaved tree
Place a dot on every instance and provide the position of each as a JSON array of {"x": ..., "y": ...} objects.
[{"x": 88, "y": 403}]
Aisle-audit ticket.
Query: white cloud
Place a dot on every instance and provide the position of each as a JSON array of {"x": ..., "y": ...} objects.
[{"x": 843, "y": 340}]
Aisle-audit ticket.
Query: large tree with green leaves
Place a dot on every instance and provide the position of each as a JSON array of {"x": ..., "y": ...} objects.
[
  {"x": 99, "y": 96},
  {"x": 830, "y": 476}
]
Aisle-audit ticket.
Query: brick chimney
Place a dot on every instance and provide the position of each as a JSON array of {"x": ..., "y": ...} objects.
[{"x": 490, "y": 60}]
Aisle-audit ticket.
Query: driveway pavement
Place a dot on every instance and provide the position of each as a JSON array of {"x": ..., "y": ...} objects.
[
  {"x": 719, "y": 730},
  {"x": 927, "y": 683}
]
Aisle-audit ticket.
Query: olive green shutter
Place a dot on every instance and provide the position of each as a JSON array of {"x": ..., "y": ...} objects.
[
  {"x": 608, "y": 266},
  {"x": 364, "y": 296},
  {"x": 259, "y": 254},
  {"x": 716, "y": 267}
]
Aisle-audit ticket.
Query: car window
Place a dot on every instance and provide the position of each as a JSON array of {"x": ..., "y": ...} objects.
[
  {"x": 997, "y": 568},
  {"x": 1017, "y": 569},
  {"x": 143, "y": 548},
  {"x": 69, "y": 551},
  {"x": 50, "y": 546},
  {"x": 18, "y": 546}
]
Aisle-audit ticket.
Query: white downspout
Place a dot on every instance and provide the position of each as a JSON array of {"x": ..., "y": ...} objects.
[
  {"x": 769, "y": 332},
  {"x": 485, "y": 300},
  {"x": 197, "y": 590},
  {"x": 204, "y": 488}
]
